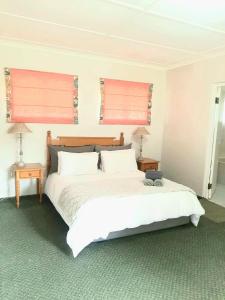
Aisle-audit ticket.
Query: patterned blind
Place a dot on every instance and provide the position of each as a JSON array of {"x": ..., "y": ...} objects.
[
  {"x": 41, "y": 97},
  {"x": 125, "y": 102}
]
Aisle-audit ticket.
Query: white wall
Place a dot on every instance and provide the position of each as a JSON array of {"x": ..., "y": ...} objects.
[
  {"x": 221, "y": 125},
  {"x": 89, "y": 69},
  {"x": 188, "y": 117}
]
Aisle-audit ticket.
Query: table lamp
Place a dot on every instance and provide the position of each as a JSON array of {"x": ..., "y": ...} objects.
[
  {"x": 141, "y": 132},
  {"x": 20, "y": 128}
]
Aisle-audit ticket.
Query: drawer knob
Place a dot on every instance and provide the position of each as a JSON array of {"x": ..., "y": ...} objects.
[{"x": 30, "y": 174}]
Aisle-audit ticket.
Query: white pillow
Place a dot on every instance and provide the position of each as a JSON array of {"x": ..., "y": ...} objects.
[
  {"x": 118, "y": 161},
  {"x": 77, "y": 163}
]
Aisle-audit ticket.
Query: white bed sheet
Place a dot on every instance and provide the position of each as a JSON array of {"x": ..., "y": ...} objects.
[{"x": 112, "y": 202}]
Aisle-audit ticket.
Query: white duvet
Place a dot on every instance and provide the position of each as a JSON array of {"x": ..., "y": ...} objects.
[{"x": 95, "y": 205}]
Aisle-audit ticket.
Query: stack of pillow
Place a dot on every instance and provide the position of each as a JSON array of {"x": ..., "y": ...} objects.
[
  {"x": 54, "y": 150},
  {"x": 88, "y": 159}
]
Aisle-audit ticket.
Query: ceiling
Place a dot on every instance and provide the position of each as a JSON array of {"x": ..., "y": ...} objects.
[{"x": 164, "y": 33}]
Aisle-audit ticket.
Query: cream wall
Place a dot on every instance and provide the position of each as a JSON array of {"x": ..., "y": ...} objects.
[
  {"x": 188, "y": 119},
  {"x": 89, "y": 69}
]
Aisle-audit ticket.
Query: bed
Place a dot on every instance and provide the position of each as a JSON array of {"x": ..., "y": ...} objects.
[{"x": 105, "y": 205}]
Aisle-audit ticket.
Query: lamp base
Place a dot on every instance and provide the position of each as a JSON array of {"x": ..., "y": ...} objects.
[
  {"x": 140, "y": 158},
  {"x": 20, "y": 164}
]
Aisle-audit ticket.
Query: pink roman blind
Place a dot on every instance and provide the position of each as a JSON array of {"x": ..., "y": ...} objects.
[
  {"x": 41, "y": 97},
  {"x": 125, "y": 102}
]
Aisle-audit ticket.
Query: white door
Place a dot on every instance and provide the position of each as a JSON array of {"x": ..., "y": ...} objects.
[{"x": 215, "y": 145}]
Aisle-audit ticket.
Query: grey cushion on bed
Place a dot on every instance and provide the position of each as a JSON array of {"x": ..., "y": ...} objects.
[
  {"x": 53, "y": 150},
  {"x": 99, "y": 148}
]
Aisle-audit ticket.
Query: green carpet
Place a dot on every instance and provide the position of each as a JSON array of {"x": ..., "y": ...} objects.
[
  {"x": 35, "y": 262},
  {"x": 213, "y": 211}
]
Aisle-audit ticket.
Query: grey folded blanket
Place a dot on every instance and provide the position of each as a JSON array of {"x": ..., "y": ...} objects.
[
  {"x": 150, "y": 182},
  {"x": 153, "y": 175}
]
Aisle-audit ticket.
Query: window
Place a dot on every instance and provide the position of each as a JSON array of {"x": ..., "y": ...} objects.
[
  {"x": 125, "y": 102},
  {"x": 41, "y": 97}
]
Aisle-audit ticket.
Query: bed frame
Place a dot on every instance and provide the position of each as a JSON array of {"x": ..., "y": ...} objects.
[{"x": 70, "y": 141}]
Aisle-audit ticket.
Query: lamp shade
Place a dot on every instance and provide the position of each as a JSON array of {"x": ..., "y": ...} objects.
[
  {"x": 141, "y": 131},
  {"x": 19, "y": 128}
]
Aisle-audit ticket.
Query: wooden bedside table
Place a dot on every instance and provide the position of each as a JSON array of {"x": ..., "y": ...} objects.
[
  {"x": 147, "y": 164},
  {"x": 27, "y": 172}
]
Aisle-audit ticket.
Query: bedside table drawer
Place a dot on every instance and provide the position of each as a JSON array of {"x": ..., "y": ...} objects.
[
  {"x": 147, "y": 164},
  {"x": 151, "y": 166},
  {"x": 29, "y": 174}
]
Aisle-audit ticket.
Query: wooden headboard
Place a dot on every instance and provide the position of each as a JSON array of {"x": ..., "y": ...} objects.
[{"x": 72, "y": 141}]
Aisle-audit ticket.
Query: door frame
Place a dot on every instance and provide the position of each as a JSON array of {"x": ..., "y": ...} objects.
[{"x": 211, "y": 144}]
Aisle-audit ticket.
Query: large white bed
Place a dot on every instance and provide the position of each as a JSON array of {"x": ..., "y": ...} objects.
[{"x": 95, "y": 205}]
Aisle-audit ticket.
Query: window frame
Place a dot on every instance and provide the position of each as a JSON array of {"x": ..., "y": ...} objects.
[
  {"x": 103, "y": 121},
  {"x": 44, "y": 120}
]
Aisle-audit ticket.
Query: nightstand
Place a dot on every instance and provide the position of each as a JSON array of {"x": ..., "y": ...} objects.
[
  {"x": 29, "y": 171},
  {"x": 147, "y": 164}
]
